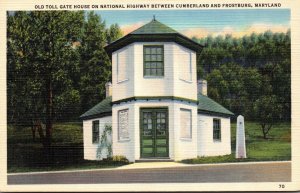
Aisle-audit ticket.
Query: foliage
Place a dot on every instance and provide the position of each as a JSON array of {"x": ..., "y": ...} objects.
[
  {"x": 24, "y": 155},
  {"x": 267, "y": 109},
  {"x": 113, "y": 33},
  {"x": 255, "y": 50},
  {"x": 56, "y": 66},
  {"x": 243, "y": 71},
  {"x": 46, "y": 61},
  {"x": 94, "y": 63},
  {"x": 105, "y": 143},
  {"x": 235, "y": 87},
  {"x": 118, "y": 159}
]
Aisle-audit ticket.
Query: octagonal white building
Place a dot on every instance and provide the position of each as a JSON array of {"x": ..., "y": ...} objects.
[{"x": 156, "y": 106}]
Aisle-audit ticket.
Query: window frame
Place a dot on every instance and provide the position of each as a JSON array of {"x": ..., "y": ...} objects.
[
  {"x": 162, "y": 62},
  {"x": 219, "y": 129},
  {"x": 95, "y": 134},
  {"x": 191, "y": 124},
  {"x": 119, "y": 136}
]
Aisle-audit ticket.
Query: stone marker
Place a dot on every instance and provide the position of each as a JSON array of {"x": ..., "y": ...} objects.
[{"x": 240, "y": 150}]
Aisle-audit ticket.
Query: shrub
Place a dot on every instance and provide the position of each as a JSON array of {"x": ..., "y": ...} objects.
[{"x": 119, "y": 159}]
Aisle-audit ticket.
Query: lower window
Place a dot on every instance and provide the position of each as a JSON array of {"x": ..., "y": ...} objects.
[
  {"x": 95, "y": 131},
  {"x": 217, "y": 129},
  {"x": 185, "y": 123},
  {"x": 123, "y": 130}
]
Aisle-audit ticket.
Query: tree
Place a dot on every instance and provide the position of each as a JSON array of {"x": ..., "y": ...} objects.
[
  {"x": 113, "y": 33},
  {"x": 94, "y": 62},
  {"x": 57, "y": 66},
  {"x": 241, "y": 70},
  {"x": 47, "y": 60},
  {"x": 267, "y": 110},
  {"x": 95, "y": 66},
  {"x": 235, "y": 87}
]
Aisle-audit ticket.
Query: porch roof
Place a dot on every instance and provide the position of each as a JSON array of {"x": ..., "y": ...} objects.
[
  {"x": 208, "y": 106},
  {"x": 205, "y": 106},
  {"x": 104, "y": 108}
]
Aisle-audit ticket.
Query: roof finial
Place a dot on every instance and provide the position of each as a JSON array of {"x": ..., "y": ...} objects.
[{"x": 154, "y": 18}]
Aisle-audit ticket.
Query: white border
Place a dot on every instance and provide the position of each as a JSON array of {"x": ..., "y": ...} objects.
[{"x": 293, "y": 5}]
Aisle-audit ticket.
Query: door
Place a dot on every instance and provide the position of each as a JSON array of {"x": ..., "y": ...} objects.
[{"x": 154, "y": 133}]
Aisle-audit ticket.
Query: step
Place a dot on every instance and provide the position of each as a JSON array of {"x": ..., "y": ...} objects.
[{"x": 156, "y": 159}]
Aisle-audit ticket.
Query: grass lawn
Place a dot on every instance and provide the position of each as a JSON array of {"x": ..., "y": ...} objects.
[
  {"x": 277, "y": 147},
  {"x": 26, "y": 155}
]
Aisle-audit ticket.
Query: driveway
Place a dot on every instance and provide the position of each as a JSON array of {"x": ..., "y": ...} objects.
[{"x": 243, "y": 172}]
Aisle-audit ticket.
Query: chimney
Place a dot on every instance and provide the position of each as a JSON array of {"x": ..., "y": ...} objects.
[
  {"x": 108, "y": 89},
  {"x": 202, "y": 87}
]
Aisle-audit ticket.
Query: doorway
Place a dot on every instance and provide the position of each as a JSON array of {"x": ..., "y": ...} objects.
[{"x": 154, "y": 132}]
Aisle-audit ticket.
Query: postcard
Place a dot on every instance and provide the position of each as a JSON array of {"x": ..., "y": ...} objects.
[{"x": 149, "y": 96}]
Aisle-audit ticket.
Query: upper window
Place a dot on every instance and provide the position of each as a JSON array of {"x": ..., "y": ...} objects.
[
  {"x": 122, "y": 65},
  {"x": 185, "y": 59},
  {"x": 185, "y": 123},
  {"x": 154, "y": 60},
  {"x": 217, "y": 129},
  {"x": 95, "y": 131}
]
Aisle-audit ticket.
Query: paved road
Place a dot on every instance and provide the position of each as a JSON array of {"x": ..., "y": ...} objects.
[{"x": 262, "y": 172}]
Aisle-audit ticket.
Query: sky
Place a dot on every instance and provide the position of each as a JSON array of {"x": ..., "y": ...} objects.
[{"x": 200, "y": 23}]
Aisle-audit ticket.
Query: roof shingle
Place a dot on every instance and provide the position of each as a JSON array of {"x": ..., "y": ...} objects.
[
  {"x": 102, "y": 108},
  {"x": 206, "y": 104},
  {"x": 154, "y": 27}
]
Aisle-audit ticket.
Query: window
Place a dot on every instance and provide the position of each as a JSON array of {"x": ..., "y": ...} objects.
[
  {"x": 153, "y": 61},
  {"x": 217, "y": 129},
  {"x": 123, "y": 130},
  {"x": 185, "y": 123},
  {"x": 95, "y": 131},
  {"x": 185, "y": 59},
  {"x": 122, "y": 65}
]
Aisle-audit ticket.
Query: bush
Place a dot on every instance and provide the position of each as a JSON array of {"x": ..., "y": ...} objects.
[{"x": 118, "y": 159}]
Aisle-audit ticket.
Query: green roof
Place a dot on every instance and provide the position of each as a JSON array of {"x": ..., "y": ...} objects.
[
  {"x": 102, "y": 108},
  {"x": 154, "y": 27},
  {"x": 205, "y": 105},
  {"x": 154, "y": 31}
]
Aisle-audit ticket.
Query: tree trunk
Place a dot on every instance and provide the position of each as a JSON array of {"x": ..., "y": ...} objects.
[
  {"x": 49, "y": 115},
  {"x": 33, "y": 129},
  {"x": 265, "y": 129},
  {"x": 265, "y": 134},
  {"x": 263, "y": 126},
  {"x": 38, "y": 126}
]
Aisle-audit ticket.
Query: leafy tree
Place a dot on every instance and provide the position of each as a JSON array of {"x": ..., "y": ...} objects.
[
  {"x": 95, "y": 66},
  {"x": 267, "y": 110},
  {"x": 113, "y": 33},
  {"x": 46, "y": 60},
  {"x": 235, "y": 87},
  {"x": 56, "y": 66},
  {"x": 241, "y": 70}
]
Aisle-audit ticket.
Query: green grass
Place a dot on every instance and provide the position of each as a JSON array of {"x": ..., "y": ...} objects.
[
  {"x": 26, "y": 155},
  {"x": 84, "y": 164},
  {"x": 276, "y": 148}
]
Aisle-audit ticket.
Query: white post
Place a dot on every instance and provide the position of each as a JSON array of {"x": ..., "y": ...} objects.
[{"x": 240, "y": 149}]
